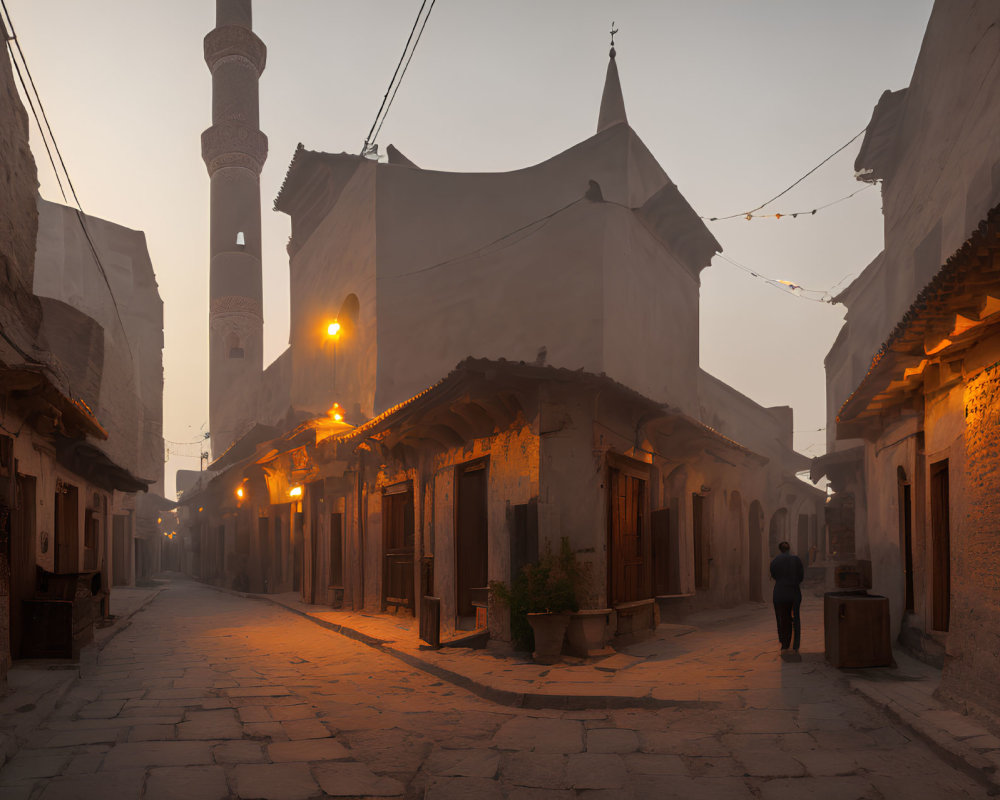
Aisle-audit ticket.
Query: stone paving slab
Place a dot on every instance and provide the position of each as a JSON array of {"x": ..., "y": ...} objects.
[
  {"x": 274, "y": 781},
  {"x": 131, "y": 755},
  {"x": 351, "y": 779},
  {"x": 189, "y": 783},
  {"x": 308, "y": 750}
]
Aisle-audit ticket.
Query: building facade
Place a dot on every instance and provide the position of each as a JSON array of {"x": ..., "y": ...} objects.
[
  {"x": 468, "y": 481},
  {"x": 121, "y": 294},
  {"x": 911, "y": 378},
  {"x": 568, "y": 294},
  {"x": 63, "y": 475}
]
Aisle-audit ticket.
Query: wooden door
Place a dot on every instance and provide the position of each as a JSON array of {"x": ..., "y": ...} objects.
[
  {"x": 22, "y": 557},
  {"x": 337, "y": 550},
  {"x": 120, "y": 561},
  {"x": 905, "y": 497},
  {"x": 940, "y": 547},
  {"x": 702, "y": 548},
  {"x": 298, "y": 523},
  {"x": 264, "y": 553},
  {"x": 663, "y": 554},
  {"x": 471, "y": 537},
  {"x": 67, "y": 525},
  {"x": 314, "y": 571},
  {"x": 277, "y": 552},
  {"x": 398, "y": 545},
  {"x": 629, "y": 542}
]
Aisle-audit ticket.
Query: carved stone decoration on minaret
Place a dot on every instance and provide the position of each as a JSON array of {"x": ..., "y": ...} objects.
[{"x": 234, "y": 150}]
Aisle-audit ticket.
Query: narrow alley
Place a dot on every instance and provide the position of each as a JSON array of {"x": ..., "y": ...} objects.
[{"x": 211, "y": 695}]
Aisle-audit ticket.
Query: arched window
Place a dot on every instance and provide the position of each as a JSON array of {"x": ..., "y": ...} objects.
[
  {"x": 234, "y": 348},
  {"x": 348, "y": 315}
]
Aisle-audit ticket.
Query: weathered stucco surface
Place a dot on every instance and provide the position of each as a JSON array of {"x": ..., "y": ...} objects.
[
  {"x": 589, "y": 260},
  {"x": 130, "y": 404},
  {"x": 935, "y": 148},
  {"x": 337, "y": 261}
]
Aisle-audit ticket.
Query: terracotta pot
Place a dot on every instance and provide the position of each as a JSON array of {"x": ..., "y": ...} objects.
[
  {"x": 588, "y": 633},
  {"x": 550, "y": 631}
]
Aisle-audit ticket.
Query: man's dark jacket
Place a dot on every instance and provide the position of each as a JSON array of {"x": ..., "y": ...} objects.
[{"x": 788, "y": 572}]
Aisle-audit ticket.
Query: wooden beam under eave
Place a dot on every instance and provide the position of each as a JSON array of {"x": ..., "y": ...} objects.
[{"x": 988, "y": 306}]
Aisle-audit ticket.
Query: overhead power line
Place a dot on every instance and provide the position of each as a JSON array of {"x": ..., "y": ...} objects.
[
  {"x": 397, "y": 75},
  {"x": 34, "y": 97},
  {"x": 751, "y": 213},
  {"x": 789, "y": 287}
]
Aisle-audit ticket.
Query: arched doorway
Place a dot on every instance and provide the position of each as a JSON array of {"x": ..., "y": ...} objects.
[
  {"x": 906, "y": 534},
  {"x": 755, "y": 525}
]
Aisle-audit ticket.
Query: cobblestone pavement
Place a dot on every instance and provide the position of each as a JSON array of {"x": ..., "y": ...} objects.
[{"x": 208, "y": 696}]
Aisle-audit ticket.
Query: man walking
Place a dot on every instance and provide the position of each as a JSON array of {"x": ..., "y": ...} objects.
[{"x": 787, "y": 572}]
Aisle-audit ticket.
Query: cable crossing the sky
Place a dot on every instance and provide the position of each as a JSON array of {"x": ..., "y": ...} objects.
[
  {"x": 397, "y": 77},
  {"x": 750, "y": 214}
]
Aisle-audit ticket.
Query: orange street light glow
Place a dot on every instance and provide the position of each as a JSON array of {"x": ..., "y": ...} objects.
[
  {"x": 239, "y": 492},
  {"x": 333, "y": 329},
  {"x": 295, "y": 492}
]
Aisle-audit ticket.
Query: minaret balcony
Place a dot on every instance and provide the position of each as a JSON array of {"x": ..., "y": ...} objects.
[
  {"x": 231, "y": 144},
  {"x": 233, "y": 41}
]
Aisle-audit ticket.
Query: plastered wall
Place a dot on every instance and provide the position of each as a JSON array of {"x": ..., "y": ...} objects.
[
  {"x": 336, "y": 261},
  {"x": 131, "y": 396},
  {"x": 945, "y": 178},
  {"x": 974, "y": 640}
]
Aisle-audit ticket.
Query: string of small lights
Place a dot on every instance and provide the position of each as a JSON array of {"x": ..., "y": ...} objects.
[
  {"x": 535, "y": 225},
  {"x": 793, "y": 214},
  {"x": 751, "y": 213},
  {"x": 12, "y": 44},
  {"x": 383, "y": 111}
]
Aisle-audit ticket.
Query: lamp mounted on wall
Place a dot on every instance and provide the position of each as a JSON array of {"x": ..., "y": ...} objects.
[{"x": 333, "y": 331}]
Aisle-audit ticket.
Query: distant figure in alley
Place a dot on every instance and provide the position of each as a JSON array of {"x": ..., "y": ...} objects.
[{"x": 787, "y": 572}]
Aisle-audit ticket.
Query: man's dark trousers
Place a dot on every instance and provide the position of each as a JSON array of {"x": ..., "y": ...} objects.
[{"x": 789, "y": 627}]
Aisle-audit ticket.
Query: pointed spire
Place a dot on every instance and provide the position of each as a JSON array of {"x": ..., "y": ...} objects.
[{"x": 612, "y": 102}]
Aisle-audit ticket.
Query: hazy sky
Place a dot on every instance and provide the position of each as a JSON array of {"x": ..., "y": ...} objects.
[{"x": 735, "y": 98}]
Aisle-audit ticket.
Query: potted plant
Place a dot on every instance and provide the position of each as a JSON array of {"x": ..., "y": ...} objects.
[
  {"x": 540, "y": 601},
  {"x": 588, "y": 633}
]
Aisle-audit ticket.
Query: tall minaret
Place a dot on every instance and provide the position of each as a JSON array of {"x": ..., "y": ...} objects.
[{"x": 234, "y": 150}]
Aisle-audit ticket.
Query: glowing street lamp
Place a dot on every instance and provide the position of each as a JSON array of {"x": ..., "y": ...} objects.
[
  {"x": 240, "y": 493},
  {"x": 333, "y": 329},
  {"x": 295, "y": 491}
]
